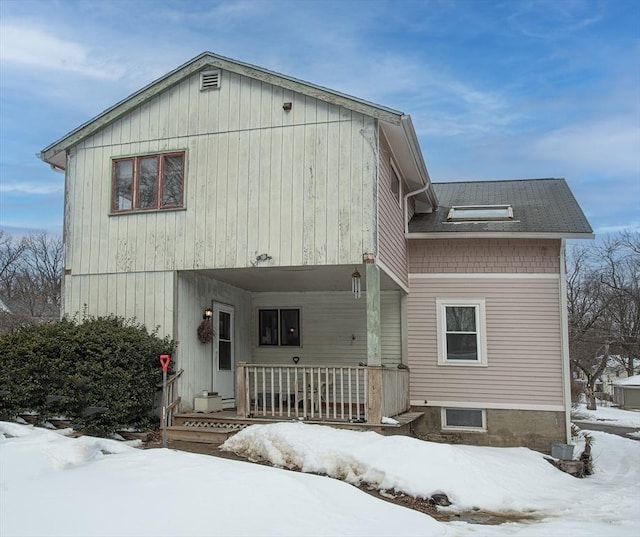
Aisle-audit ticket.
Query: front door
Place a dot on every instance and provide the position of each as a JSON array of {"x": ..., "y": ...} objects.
[{"x": 223, "y": 359}]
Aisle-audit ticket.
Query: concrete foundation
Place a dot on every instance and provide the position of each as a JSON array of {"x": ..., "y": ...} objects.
[{"x": 535, "y": 429}]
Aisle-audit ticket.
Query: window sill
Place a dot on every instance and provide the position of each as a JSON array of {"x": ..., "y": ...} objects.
[
  {"x": 147, "y": 211},
  {"x": 463, "y": 429},
  {"x": 462, "y": 364}
]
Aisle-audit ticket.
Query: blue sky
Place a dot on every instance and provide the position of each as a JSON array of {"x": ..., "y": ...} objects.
[{"x": 496, "y": 89}]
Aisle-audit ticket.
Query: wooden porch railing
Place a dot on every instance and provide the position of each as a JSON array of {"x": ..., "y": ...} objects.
[
  {"x": 328, "y": 392},
  {"x": 173, "y": 400}
]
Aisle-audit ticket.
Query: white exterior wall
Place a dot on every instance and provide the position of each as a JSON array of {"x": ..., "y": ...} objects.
[
  {"x": 195, "y": 293},
  {"x": 297, "y": 185},
  {"x": 147, "y": 296},
  {"x": 328, "y": 321}
]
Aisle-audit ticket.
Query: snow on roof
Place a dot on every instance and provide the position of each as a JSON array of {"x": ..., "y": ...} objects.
[{"x": 629, "y": 381}]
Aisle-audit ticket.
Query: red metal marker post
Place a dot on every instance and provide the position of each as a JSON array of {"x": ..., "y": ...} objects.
[{"x": 164, "y": 362}]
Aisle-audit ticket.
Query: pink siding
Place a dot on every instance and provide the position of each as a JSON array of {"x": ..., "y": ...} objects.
[
  {"x": 392, "y": 245},
  {"x": 484, "y": 255},
  {"x": 523, "y": 341}
]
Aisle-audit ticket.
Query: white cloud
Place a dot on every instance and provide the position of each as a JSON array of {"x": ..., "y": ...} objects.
[
  {"x": 38, "y": 189},
  {"x": 609, "y": 145},
  {"x": 27, "y": 46}
]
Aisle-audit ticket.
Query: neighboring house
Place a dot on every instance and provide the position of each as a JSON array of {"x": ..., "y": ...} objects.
[
  {"x": 304, "y": 224},
  {"x": 626, "y": 392}
]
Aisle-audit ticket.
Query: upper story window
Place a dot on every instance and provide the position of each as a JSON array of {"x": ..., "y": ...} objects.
[
  {"x": 461, "y": 332},
  {"x": 394, "y": 182},
  {"x": 148, "y": 182},
  {"x": 479, "y": 213}
]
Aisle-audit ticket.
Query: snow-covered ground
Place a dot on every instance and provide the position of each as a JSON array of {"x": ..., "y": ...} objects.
[
  {"x": 54, "y": 485},
  {"x": 607, "y": 414}
]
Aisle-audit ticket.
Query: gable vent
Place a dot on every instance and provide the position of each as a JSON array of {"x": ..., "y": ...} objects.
[{"x": 209, "y": 80}]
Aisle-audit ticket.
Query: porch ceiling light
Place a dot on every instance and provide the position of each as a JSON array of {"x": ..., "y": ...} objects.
[
  {"x": 207, "y": 314},
  {"x": 355, "y": 283}
]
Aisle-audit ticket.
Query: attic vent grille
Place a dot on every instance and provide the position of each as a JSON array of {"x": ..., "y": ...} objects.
[{"x": 209, "y": 80}]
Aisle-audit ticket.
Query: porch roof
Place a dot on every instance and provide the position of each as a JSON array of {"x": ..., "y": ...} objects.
[{"x": 300, "y": 278}]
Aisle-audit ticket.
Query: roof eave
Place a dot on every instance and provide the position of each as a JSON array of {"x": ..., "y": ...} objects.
[{"x": 496, "y": 235}]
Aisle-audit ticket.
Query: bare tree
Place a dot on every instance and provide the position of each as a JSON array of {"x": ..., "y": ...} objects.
[
  {"x": 31, "y": 275},
  {"x": 604, "y": 307},
  {"x": 11, "y": 250}
]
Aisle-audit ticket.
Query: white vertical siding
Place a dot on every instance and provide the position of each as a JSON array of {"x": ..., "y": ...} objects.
[
  {"x": 298, "y": 185},
  {"x": 195, "y": 293},
  {"x": 148, "y": 296},
  {"x": 523, "y": 341}
]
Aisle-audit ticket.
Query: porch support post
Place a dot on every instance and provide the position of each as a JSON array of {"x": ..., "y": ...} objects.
[
  {"x": 374, "y": 356},
  {"x": 374, "y": 394},
  {"x": 241, "y": 389}
]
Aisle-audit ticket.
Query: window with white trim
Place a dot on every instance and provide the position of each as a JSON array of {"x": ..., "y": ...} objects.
[
  {"x": 464, "y": 418},
  {"x": 461, "y": 332},
  {"x": 279, "y": 327},
  {"x": 148, "y": 182}
]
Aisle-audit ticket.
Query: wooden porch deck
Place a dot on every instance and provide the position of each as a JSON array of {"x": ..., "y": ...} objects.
[{"x": 216, "y": 427}]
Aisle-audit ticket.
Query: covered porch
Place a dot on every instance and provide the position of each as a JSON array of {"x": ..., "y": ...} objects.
[{"x": 300, "y": 344}]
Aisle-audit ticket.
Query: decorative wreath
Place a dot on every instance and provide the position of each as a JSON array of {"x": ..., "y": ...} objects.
[{"x": 205, "y": 331}]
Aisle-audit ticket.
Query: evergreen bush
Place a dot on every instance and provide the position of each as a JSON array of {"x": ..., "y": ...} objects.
[{"x": 107, "y": 362}]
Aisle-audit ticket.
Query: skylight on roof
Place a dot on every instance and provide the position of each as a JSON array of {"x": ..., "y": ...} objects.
[{"x": 479, "y": 213}]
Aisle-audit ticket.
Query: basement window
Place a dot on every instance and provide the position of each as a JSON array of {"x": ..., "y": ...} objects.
[
  {"x": 480, "y": 213},
  {"x": 474, "y": 419}
]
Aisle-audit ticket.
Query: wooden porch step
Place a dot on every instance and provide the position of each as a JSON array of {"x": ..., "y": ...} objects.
[{"x": 208, "y": 435}]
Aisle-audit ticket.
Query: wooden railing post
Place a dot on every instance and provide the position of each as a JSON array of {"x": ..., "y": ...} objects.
[
  {"x": 374, "y": 394},
  {"x": 241, "y": 389}
]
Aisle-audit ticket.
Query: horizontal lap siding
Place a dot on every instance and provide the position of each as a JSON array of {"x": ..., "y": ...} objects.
[
  {"x": 523, "y": 341},
  {"x": 297, "y": 185},
  {"x": 328, "y": 320},
  {"x": 392, "y": 245}
]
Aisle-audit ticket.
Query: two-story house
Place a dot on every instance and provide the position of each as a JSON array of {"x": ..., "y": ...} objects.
[{"x": 341, "y": 284}]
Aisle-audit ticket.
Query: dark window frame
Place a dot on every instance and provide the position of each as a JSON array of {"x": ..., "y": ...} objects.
[
  {"x": 281, "y": 339},
  {"x": 160, "y": 180}
]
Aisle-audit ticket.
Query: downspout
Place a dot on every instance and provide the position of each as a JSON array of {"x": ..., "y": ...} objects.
[
  {"x": 406, "y": 205},
  {"x": 564, "y": 337}
]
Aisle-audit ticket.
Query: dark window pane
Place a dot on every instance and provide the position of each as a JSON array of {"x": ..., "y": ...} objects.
[
  {"x": 290, "y": 327},
  {"x": 464, "y": 417},
  {"x": 123, "y": 185},
  {"x": 462, "y": 347},
  {"x": 461, "y": 319},
  {"x": 172, "y": 181},
  {"x": 148, "y": 182},
  {"x": 225, "y": 326},
  {"x": 395, "y": 184},
  {"x": 268, "y": 327},
  {"x": 224, "y": 356}
]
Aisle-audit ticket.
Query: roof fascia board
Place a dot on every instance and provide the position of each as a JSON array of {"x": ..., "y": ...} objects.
[
  {"x": 497, "y": 235},
  {"x": 122, "y": 107},
  {"x": 306, "y": 88},
  {"x": 414, "y": 146},
  {"x": 205, "y": 60}
]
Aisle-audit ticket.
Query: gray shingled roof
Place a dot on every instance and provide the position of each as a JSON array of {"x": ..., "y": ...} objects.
[{"x": 539, "y": 206}]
